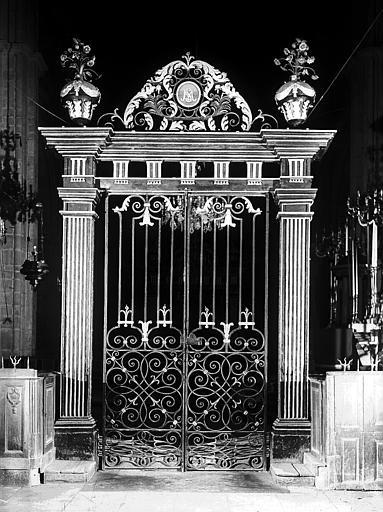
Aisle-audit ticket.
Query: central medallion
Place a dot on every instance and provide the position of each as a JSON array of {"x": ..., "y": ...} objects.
[{"x": 188, "y": 94}]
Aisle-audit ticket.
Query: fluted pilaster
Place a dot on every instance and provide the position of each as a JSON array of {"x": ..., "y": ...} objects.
[
  {"x": 77, "y": 307},
  {"x": 293, "y": 338}
]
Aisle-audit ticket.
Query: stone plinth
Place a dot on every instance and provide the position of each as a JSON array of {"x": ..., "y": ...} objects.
[{"x": 26, "y": 425}]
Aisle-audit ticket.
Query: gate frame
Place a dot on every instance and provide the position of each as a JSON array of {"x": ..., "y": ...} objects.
[
  {"x": 81, "y": 148},
  {"x": 187, "y": 193}
]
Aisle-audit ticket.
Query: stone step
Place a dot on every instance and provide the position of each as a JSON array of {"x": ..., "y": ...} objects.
[
  {"x": 293, "y": 474},
  {"x": 313, "y": 462},
  {"x": 70, "y": 471}
]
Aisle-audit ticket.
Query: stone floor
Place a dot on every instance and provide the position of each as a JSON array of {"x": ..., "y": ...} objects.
[{"x": 118, "y": 491}]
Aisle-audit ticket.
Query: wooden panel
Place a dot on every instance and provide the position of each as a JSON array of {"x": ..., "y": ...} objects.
[
  {"x": 317, "y": 418},
  {"x": 350, "y": 460},
  {"x": 49, "y": 412},
  {"x": 379, "y": 459},
  {"x": 13, "y": 419},
  {"x": 348, "y": 402}
]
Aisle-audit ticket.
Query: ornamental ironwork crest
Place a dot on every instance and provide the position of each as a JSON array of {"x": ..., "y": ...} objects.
[{"x": 187, "y": 95}]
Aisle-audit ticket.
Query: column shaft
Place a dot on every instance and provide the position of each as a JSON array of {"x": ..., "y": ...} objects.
[
  {"x": 77, "y": 302},
  {"x": 75, "y": 428},
  {"x": 291, "y": 430},
  {"x": 294, "y": 310}
]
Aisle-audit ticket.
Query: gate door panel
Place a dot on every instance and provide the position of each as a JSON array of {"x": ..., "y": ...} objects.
[
  {"x": 144, "y": 354},
  {"x": 185, "y": 350},
  {"x": 225, "y": 356}
]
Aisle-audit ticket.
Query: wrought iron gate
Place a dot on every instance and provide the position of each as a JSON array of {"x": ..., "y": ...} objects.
[{"x": 185, "y": 346}]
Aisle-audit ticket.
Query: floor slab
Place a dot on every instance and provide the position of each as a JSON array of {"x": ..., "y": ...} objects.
[{"x": 121, "y": 491}]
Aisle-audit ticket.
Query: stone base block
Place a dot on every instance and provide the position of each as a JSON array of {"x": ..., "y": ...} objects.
[
  {"x": 19, "y": 477},
  {"x": 70, "y": 471},
  {"x": 76, "y": 440},
  {"x": 290, "y": 439}
]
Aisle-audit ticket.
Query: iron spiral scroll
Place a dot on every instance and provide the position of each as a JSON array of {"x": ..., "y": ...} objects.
[{"x": 221, "y": 425}]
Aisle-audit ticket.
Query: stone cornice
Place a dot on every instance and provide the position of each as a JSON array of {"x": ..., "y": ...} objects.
[
  {"x": 267, "y": 145},
  {"x": 298, "y": 143},
  {"x": 77, "y": 142}
]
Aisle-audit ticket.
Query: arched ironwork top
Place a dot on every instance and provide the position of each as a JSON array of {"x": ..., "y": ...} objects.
[{"x": 187, "y": 95}]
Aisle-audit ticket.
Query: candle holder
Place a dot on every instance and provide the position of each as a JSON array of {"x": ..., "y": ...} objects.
[
  {"x": 332, "y": 245},
  {"x": 367, "y": 211}
]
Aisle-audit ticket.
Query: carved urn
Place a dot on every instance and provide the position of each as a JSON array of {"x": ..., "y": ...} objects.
[
  {"x": 80, "y": 96},
  {"x": 296, "y": 97}
]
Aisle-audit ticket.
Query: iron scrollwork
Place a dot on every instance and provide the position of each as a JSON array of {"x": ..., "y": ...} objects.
[
  {"x": 186, "y": 95},
  {"x": 177, "y": 396}
]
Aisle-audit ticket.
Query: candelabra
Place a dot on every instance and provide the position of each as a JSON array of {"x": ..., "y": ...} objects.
[
  {"x": 36, "y": 269},
  {"x": 332, "y": 245},
  {"x": 16, "y": 204},
  {"x": 367, "y": 213}
]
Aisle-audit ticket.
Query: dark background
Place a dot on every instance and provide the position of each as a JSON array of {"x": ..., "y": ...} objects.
[{"x": 133, "y": 40}]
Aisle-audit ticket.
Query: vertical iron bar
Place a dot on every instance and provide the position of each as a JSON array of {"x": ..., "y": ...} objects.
[
  {"x": 266, "y": 328},
  {"x": 214, "y": 266},
  {"x": 146, "y": 273},
  {"x": 105, "y": 329},
  {"x": 253, "y": 268},
  {"x": 200, "y": 271},
  {"x": 119, "y": 264},
  {"x": 227, "y": 274},
  {"x": 171, "y": 272},
  {"x": 185, "y": 329},
  {"x": 158, "y": 268},
  {"x": 133, "y": 228},
  {"x": 240, "y": 270}
]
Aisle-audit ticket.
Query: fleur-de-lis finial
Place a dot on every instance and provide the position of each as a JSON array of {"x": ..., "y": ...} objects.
[
  {"x": 188, "y": 58},
  {"x": 15, "y": 361},
  {"x": 164, "y": 313},
  {"x": 206, "y": 314},
  {"x": 345, "y": 365},
  {"x": 246, "y": 323},
  {"x": 125, "y": 317}
]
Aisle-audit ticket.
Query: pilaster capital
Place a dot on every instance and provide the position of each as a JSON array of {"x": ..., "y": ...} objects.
[
  {"x": 295, "y": 202},
  {"x": 79, "y": 201}
]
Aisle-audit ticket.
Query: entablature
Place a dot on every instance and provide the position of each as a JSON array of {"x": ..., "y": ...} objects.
[{"x": 268, "y": 145}]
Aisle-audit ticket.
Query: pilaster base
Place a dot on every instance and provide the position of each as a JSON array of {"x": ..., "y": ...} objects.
[
  {"x": 76, "y": 439},
  {"x": 290, "y": 439}
]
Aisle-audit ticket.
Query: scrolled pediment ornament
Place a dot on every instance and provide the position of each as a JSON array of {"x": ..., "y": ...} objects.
[{"x": 186, "y": 95}]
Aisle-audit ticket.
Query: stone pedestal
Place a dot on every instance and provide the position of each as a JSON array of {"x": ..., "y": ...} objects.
[
  {"x": 27, "y": 405},
  {"x": 291, "y": 430},
  {"x": 347, "y": 429}
]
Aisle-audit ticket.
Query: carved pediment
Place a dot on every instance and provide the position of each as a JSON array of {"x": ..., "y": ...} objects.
[{"x": 188, "y": 95}]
